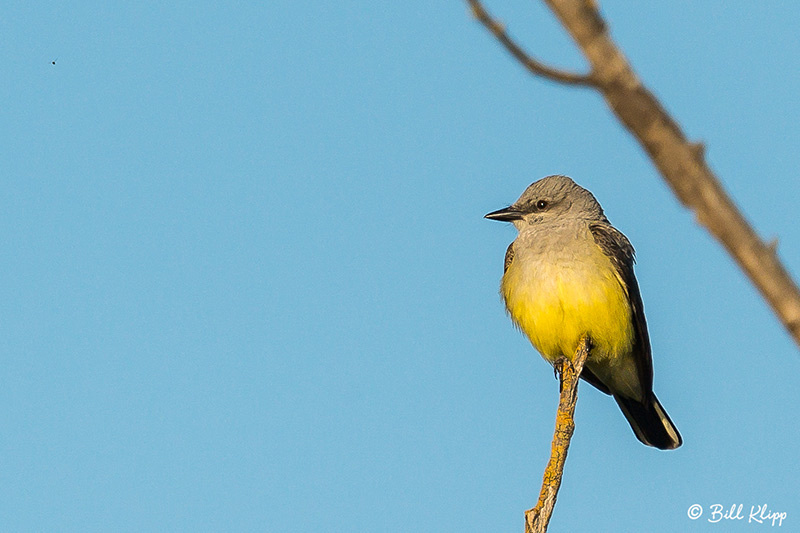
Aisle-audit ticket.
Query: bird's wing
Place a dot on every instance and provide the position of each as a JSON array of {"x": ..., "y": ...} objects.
[
  {"x": 509, "y": 257},
  {"x": 619, "y": 250}
]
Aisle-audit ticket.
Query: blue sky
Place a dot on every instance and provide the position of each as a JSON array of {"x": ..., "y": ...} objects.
[{"x": 247, "y": 285}]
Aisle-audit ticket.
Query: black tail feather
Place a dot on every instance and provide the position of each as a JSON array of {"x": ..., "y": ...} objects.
[{"x": 650, "y": 422}]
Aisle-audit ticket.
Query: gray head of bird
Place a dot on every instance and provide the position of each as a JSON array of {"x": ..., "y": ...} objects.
[{"x": 551, "y": 199}]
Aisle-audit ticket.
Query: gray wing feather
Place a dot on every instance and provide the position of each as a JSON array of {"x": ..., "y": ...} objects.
[
  {"x": 617, "y": 247},
  {"x": 509, "y": 257}
]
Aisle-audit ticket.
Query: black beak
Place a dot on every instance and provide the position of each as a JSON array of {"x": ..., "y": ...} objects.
[{"x": 507, "y": 214}]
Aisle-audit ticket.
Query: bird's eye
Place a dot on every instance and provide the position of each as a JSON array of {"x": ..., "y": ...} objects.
[{"x": 541, "y": 204}]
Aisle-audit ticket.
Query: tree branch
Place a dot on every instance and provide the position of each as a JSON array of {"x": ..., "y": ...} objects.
[
  {"x": 535, "y": 67},
  {"x": 681, "y": 163},
  {"x": 537, "y": 519}
]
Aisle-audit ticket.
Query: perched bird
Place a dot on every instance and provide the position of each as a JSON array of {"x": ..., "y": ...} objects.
[{"x": 570, "y": 272}]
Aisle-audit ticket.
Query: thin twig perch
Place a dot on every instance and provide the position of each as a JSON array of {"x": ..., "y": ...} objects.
[
  {"x": 681, "y": 163},
  {"x": 534, "y": 66},
  {"x": 537, "y": 519}
]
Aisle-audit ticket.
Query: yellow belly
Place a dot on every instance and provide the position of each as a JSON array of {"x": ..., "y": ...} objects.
[{"x": 555, "y": 303}]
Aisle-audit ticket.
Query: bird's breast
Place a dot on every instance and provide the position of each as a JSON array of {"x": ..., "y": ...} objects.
[{"x": 556, "y": 296}]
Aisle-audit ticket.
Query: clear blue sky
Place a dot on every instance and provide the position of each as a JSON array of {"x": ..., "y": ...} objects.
[{"x": 247, "y": 285}]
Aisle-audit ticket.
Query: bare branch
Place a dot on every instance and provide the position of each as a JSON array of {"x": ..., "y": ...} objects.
[
  {"x": 535, "y": 67},
  {"x": 681, "y": 163},
  {"x": 537, "y": 519}
]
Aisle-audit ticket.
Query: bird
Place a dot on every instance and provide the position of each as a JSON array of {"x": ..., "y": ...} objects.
[{"x": 570, "y": 273}]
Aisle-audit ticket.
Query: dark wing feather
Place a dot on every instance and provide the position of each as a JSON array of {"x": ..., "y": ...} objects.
[
  {"x": 509, "y": 257},
  {"x": 617, "y": 247}
]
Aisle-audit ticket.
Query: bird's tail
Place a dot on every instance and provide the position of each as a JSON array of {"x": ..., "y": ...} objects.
[{"x": 650, "y": 422}]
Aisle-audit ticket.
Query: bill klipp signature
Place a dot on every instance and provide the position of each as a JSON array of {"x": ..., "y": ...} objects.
[{"x": 759, "y": 514}]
